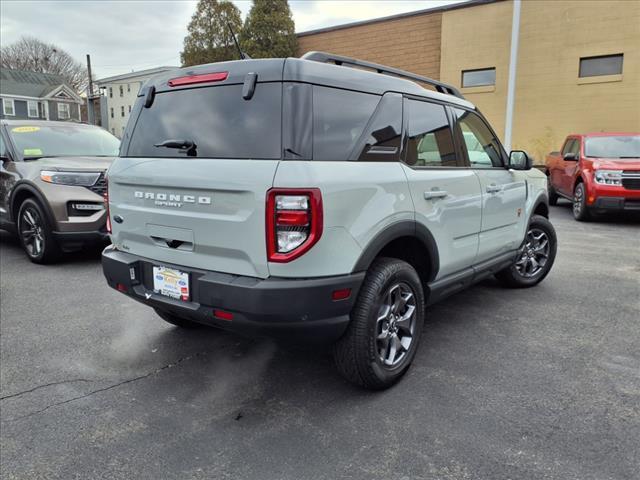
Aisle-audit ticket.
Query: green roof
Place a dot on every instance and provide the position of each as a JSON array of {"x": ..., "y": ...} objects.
[{"x": 28, "y": 84}]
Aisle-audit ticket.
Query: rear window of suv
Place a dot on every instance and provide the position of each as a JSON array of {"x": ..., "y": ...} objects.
[{"x": 217, "y": 119}]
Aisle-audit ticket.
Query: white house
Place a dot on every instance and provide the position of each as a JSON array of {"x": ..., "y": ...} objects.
[{"x": 119, "y": 93}]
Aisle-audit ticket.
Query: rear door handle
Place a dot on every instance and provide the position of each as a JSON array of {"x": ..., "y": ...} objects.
[
  {"x": 431, "y": 194},
  {"x": 493, "y": 188}
]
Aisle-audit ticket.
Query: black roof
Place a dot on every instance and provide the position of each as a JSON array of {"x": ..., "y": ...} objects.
[{"x": 305, "y": 71}]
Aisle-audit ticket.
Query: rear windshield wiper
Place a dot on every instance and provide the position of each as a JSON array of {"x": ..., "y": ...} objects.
[{"x": 188, "y": 145}]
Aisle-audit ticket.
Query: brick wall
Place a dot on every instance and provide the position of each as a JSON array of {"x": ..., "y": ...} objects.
[{"x": 410, "y": 43}]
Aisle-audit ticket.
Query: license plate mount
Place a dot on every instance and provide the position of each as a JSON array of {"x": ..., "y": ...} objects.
[{"x": 171, "y": 283}]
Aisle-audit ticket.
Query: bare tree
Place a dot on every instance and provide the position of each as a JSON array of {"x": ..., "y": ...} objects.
[{"x": 34, "y": 55}]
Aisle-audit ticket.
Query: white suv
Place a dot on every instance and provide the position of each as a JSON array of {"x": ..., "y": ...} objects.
[{"x": 307, "y": 199}]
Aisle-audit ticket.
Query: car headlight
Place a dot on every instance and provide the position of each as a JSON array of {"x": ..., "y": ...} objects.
[
  {"x": 82, "y": 179},
  {"x": 608, "y": 177}
]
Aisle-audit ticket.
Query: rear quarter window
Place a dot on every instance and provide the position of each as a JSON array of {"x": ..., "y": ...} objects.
[
  {"x": 220, "y": 122},
  {"x": 339, "y": 119}
]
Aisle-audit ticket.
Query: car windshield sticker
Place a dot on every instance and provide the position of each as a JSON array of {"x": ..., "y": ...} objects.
[
  {"x": 31, "y": 152},
  {"x": 25, "y": 129}
]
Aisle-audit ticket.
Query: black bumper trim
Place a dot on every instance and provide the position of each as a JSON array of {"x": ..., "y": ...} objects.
[
  {"x": 616, "y": 203},
  {"x": 71, "y": 241},
  {"x": 281, "y": 307}
]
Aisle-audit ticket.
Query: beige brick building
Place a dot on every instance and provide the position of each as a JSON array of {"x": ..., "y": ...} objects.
[{"x": 578, "y": 64}]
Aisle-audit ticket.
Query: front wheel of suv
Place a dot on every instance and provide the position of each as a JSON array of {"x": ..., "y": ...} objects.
[
  {"x": 535, "y": 256},
  {"x": 386, "y": 322},
  {"x": 35, "y": 233}
]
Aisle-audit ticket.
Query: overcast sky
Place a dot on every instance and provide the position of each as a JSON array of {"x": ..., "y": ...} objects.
[{"x": 127, "y": 35}]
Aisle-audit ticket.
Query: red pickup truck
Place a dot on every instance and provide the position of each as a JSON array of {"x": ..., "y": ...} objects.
[{"x": 597, "y": 171}]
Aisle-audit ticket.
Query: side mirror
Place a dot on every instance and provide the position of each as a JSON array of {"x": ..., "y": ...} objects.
[
  {"x": 571, "y": 156},
  {"x": 519, "y": 160}
]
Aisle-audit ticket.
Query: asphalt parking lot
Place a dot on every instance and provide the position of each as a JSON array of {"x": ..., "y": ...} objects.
[{"x": 508, "y": 384}]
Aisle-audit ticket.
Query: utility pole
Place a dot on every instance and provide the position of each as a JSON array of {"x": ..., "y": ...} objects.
[
  {"x": 90, "y": 112},
  {"x": 513, "y": 63}
]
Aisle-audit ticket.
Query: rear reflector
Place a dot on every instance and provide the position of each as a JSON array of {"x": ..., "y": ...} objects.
[
  {"x": 203, "y": 78},
  {"x": 122, "y": 287},
  {"x": 222, "y": 315},
  {"x": 341, "y": 294}
]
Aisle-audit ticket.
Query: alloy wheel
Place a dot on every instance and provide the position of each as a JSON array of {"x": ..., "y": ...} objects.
[
  {"x": 396, "y": 324},
  {"x": 31, "y": 231},
  {"x": 578, "y": 200},
  {"x": 534, "y": 253}
]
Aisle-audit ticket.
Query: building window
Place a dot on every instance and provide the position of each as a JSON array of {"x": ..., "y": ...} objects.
[
  {"x": 122, "y": 111},
  {"x": 63, "y": 111},
  {"x": 113, "y": 130},
  {"x": 129, "y": 108},
  {"x": 121, "y": 91},
  {"x": 111, "y": 112},
  {"x": 601, "y": 65},
  {"x": 128, "y": 87},
  {"x": 110, "y": 92},
  {"x": 480, "y": 77},
  {"x": 8, "y": 108},
  {"x": 32, "y": 109}
]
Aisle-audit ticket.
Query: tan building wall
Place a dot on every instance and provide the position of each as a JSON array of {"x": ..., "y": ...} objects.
[
  {"x": 411, "y": 43},
  {"x": 551, "y": 101}
]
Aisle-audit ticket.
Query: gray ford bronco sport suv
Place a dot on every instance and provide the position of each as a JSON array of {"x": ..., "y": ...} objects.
[{"x": 306, "y": 198}]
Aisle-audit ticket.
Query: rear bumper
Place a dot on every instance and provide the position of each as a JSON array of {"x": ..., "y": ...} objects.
[
  {"x": 617, "y": 204},
  {"x": 277, "y": 307}
]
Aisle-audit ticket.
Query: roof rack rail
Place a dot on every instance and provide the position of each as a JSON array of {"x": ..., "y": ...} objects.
[{"x": 324, "y": 57}]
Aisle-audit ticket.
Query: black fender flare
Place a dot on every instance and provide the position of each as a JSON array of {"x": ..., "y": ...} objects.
[
  {"x": 543, "y": 199},
  {"x": 34, "y": 192},
  {"x": 404, "y": 228}
]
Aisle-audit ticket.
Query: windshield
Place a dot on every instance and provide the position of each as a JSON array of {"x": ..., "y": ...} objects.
[
  {"x": 618, "y": 146},
  {"x": 64, "y": 140}
]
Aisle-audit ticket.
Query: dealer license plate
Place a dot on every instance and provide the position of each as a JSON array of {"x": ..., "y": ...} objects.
[{"x": 171, "y": 283}]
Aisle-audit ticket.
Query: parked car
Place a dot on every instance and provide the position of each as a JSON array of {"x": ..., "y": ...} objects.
[
  {"x": 306, "y": 199},
  {"x": 52, "y": 185},
  {"x": 597, "y": 172}
]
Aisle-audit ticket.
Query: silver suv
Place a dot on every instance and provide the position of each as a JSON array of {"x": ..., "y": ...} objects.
[{"x": 321, "y": 198}]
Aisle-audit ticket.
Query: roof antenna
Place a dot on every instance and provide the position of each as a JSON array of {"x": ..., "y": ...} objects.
[{"x": 243, "y": 56}]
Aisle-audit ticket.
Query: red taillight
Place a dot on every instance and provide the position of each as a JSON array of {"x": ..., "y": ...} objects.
[
  {"x": 106, "y": 204},
  {"x": 202, "y": 78},
  {"x": 223, "y": 315},
  {"x": 341, "y": 294},
  {"x": 294, "y": 222}
]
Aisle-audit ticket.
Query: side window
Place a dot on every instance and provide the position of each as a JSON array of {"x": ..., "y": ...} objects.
[
  {"x": 339, "y": 118},
  {"x": 482, "y": 146},
  {"x": 430, "y": 142},
  {"x": 568, "y": 146},
  {"x": 575, "y": 148},
  {"x": 382, "y": 137},
  {"x": 3, "y": 151}
]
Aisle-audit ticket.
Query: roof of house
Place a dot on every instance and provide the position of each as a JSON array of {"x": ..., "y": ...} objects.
[
  {"x": 28, "y": 84},
  {"x": 140, "y": 73},
  {"x": 443, "y": 8}
]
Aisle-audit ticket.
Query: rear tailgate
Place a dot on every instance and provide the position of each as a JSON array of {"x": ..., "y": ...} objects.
[
  {"x": 200, "y": 152},
  {"x": 198, "y": 213}
]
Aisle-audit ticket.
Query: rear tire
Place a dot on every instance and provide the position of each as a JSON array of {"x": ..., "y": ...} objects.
[
  {"x": 535, "y": 257},
  {"x": 35, "y": 233},
  {"x": 386, "y": 322},
  {"x": 177, "y": 321},
  {"x": 580, "y": 210}
]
